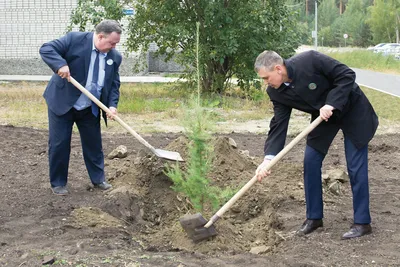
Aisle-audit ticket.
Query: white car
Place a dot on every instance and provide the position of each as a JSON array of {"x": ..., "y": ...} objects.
[
  {"x": 387, "y": 49},
  {"x": 374, "y": 47},
  {"x": 397, "y": 53}
]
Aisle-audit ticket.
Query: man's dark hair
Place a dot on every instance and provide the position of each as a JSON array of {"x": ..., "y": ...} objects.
[{"x": 108, "y": 26}]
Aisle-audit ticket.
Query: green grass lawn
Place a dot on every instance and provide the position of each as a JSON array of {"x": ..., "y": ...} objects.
[
  {"x": 386, "y": 106},
  {"x": 365, "y": 59},
  {"x": 149, "y": 98}
]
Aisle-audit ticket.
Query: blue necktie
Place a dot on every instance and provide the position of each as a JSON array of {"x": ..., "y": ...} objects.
[{"x": 95, "y": 77}]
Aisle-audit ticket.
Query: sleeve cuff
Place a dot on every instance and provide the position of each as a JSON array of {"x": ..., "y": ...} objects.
[{"x": 269, "y": 157}]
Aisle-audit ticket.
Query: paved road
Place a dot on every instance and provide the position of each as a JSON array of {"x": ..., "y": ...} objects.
[{"x": 387, "y": 83}]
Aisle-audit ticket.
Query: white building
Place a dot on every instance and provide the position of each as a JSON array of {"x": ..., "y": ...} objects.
[{"x": 26, "y": 24}]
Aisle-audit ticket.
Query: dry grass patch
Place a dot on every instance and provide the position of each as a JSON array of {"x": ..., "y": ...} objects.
[{"x": 22, "y": 104}]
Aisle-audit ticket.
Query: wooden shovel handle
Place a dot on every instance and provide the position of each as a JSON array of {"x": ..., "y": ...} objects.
[
  {"x": 107, "y": 110},
  {"x": 250, "y": 183}
]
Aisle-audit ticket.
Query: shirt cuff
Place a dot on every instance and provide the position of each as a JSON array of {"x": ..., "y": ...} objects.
[{"x": 269, "y": 157}]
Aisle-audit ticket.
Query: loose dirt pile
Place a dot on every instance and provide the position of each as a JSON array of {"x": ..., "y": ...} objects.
[{"x": 142, "y": 200}]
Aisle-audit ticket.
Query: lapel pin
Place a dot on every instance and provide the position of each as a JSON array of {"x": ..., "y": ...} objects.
[
  {"x": 110, "y": 62},
  {"x": 312, "y": 86}
]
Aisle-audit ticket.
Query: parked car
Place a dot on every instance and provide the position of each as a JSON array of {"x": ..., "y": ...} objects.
[
  {"x": 387, "y": 49},
  {"x": 374, "y": 47},
  {"x": 397, "y": 53}
]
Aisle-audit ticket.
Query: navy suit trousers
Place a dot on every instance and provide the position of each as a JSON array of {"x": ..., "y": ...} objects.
[
  {"x": 60, "y": 131},
  {"x": 357, "y": 167}
]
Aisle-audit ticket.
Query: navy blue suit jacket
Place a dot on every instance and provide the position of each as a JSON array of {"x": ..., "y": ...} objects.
[
  {"x": 318, "y": 80},
  {"x": 74, "y": 49}
]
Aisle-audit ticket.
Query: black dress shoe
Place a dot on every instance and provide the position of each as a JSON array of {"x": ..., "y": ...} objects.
[
  {"x": 357, "y": 230},
  {"x": 60, "y": 190},
  {"x": 103, "y": 186},
  {"x": 309, "y": 226}
]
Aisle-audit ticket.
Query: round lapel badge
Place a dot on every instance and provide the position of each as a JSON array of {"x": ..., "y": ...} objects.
[
  {"x": 312, "y": 86},
  {"x": 110, "y": 62}
]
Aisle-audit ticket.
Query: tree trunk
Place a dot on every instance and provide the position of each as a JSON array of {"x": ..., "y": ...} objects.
[
  {"x": 220, "y": 73},
  {"x": 206, "y": 82},
  {"x": 306, "y": 7}
]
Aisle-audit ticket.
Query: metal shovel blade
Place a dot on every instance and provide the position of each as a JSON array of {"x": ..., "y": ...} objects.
[
  {"x": 194, "y": 227},
  {"x": 171, "y": 155}
]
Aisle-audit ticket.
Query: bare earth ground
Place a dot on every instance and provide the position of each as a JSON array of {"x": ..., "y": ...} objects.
[{"x": 136, "y": 224}]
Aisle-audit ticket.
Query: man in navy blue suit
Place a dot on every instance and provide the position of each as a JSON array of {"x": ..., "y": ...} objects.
[
  {"x": 91, "y": 58},
  {"x": 321, "y": 86}
]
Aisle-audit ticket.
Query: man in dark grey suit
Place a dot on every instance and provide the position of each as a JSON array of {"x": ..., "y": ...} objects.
[
  {"x": 92, "y": 60},
  {"x": 321, "y": 86}
]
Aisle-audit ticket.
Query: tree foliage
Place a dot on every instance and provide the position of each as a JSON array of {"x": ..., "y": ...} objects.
[
  {"x": 366, "y": 22},
  {"x": 232, "y": 33},
  {"x": 355, "y": 23},
  {"x": 193, "y": 182},
  {"x": 384, "y": 20},
  {"x": 328, "y": 12},
  {"x": 91, "y": 12}
]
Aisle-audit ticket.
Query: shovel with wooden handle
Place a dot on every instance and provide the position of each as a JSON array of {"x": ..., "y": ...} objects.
[
  {"x": 170, "y": 155},
  {"x": 199, "y": 229}
]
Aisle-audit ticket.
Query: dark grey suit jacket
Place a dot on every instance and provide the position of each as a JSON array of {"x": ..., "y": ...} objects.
[{"x": 74, "y": 49}]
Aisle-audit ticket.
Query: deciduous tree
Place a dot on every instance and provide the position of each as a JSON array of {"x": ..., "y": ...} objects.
[
  {"x": 384, "y": 19},
  {"x": 232, "y": 33}
]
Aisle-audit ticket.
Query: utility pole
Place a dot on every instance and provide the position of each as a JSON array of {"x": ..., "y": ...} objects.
[
  {"x": 397, "y": 27},
  {"x": 316, "y": 23}
]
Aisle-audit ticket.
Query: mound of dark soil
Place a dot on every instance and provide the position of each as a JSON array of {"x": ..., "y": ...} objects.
[{"x": 142, "y": 196}]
